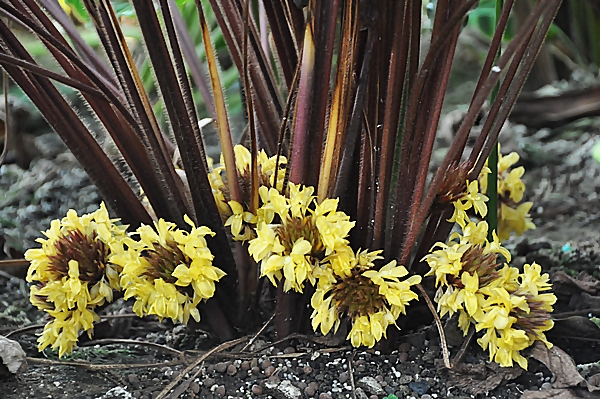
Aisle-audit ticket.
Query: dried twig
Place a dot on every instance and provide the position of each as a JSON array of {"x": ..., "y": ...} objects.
[
  {"x": 32, "y": 327},
  {"x": 565, "y": 315},
  {"x": 25, "y": 329},
  {"x": 108, "y": 341},
  {"x": 463, "y": 348},
  {"x": 222, "y": 347},
  {"x": 100, "y": 367},
  {"x": 438, "y": 322},
  {"x": 258, "y": 333},
  {"x": 351, "y": 371},
  {"x": 13, "y": 263}
]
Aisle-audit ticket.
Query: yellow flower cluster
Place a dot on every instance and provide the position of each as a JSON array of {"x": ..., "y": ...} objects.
[
  {"x": 307, "y": 233},
  {"x": 235, "y": 214},
  {"x": 73, "y": 273},
  {"x": 513, "y": 216},
  {"x": 169, "y": 271},
  {"x": 472, "y": 198},
  {"x": 512, "y": 307},
  {"x": 309, "y": 244},
  {"x": 372, "y": 299}
]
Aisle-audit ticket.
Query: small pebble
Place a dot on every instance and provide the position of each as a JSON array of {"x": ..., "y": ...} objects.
[
  {"x": 324, "y": 396},
  {"x": 209, "y": 382},
  {"x": 373, "y": 397},
  {"x": 137, "y": 394},
  {"x": 314, "y": 385},
  {"x": 195, "y": 387},
  {"x": 546, "y": 385},
  {"x": 301, "y": 384},
  {"x": 404, "y": 347},
  {"x": 344, "y": 376},
  {"x": 403, "y": 357},
  {"x": 307, "y": 370},
  {"x": 266, "y": 364},
  {"x": 134, "y": 380},
  {"x": 378, "y": 378},
  {"x": 310, "y": 391},
  {"x": 221, "y": 367},
  {"x": 426, "y": 396},
  {"x": 289, "y": 350},
  {"x": 360, "y": 394},
  {"x": 274, "y": 379},
  {"x": 257, "y": 389},
  {"x": 231, "y": 370},
  {"x": 255, "y": 370},
  {"x": 220, "y": 390},
  {"x": 245, "y": 366},
  {"x": 420, "y": 387},
  {"x": 253, "y": 362},
  {"x": 269, "y": 370}
]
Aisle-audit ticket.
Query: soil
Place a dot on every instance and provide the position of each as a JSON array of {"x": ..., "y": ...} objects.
[{"x": 563, "y": 180}]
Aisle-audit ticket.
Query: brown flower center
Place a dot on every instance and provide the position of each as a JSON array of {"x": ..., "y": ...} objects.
[
  {"x": 164, "y": 260},
  {"x": 294, "y": 229},
  {"x": 454, "y": 184},
  {"x": 534, "y": 321},
  {"x": 358, "y": 296},
  {"x": 90, "y": 252}
]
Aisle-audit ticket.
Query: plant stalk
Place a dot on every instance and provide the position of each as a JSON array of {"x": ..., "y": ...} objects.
[{"x": 492, "y": 191}]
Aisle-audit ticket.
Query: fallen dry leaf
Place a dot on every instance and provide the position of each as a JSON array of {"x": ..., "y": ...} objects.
[
  {"x": 575, "y": 327},
  {"x": 566, "y": 284},
  {"x": 560, "y": 365},
  {"x": 594, "y": 382},
  {"x": 477, "y": 379},
  {"x": 563, "y": 393},
  {"x": 591, "y": 300}
]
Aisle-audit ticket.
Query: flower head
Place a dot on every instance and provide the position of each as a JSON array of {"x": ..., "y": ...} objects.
[
  {"x": 499, "y": 300},
  {"x": 170, "y": 272},
  {"x": 237, "y": 215},
  {"x": 307, "y": 235},
  {"x": 73, "y": 272},
  {"x": 372, "y": 299}
]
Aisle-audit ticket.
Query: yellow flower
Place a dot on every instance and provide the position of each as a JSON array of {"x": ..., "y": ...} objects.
[
  {"x": 372, "y": 299},
  {"x": 63, "y": 330},
  {"x": 396, "y": 292},
  {"x": 333, "y": 226},
  {"x": 533, "y": 281},
  {"x": 468, "y": 295},
  {"x": 240, "y": 220},
  {"x": 471, "y": 199},
  {"x": 514, "y": 219},
  {"x": 369, "y": 329},
  {"x": 265, "y": 243},
  {"x": 446, "y": 261},
  {"x": 307, "y": 236},
  {"x": 75, "y": 271},
  {"x": 168, "y": 260},
  {"x": 512, "y": 216},
  {"x": 237, "y": 214},
  {"x": 295, "y": 266}
]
